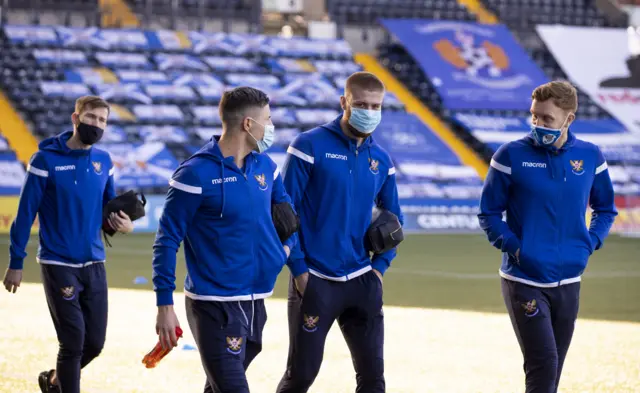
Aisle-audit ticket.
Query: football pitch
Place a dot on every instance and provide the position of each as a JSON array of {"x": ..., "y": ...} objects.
[{"x": 446, "y": 327}]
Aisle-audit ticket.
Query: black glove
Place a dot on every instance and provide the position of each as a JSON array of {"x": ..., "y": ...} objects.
[
  {"x": 285, "y": 220},
  {"x": 128, "y": 203},
  {"x": 384, "y": 233}
]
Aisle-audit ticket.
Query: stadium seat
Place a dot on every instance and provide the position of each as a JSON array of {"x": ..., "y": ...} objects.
[
  {"x": 164, "y": 97},
  {"x": 367, "y": 12}
]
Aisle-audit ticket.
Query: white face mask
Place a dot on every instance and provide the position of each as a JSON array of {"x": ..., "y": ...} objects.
[{"x": 267, "y": 139}]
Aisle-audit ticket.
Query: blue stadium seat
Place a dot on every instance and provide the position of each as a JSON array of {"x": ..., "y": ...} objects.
[
  {"x": 367, "y": 12},
  {"x": 165, "y": 94}
]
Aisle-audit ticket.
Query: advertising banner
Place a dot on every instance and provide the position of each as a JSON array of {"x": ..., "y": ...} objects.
[
  {"x": 471, "y": 65},
  {"x": 607, "y": 70}
]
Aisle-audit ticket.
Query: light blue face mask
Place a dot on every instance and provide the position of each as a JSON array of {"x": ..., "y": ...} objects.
[
  {"x": 365, "y": 120},
  {"x": 268, "y": 138},
  {"x": 547, "y": 136}
]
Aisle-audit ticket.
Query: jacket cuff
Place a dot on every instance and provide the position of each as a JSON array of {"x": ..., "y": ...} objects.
[
  {"x": 290, "y": 242},
  {"x": 298, "y": 267},
  {"x": 164, "y": 298},
  {"x": 380, "y": 265},
  {"x": 16, "y": 263},
  {"x": 595, "y": 241},
  {"x": 511, "y": 246}
]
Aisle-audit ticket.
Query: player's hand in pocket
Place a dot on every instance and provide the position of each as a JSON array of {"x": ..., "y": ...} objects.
[
  {"x": 166, "y": 323},
  {"x": 301, "y": 282},
  {"x": 379, "y": 276}
]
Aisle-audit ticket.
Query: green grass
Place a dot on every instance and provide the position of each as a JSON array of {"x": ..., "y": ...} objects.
[{"x": 434, "y": 271}]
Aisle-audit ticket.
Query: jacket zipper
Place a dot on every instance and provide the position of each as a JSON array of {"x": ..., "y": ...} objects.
[
  {"x": 355, "y": 186},
  {"x": 560, "y": 220}
]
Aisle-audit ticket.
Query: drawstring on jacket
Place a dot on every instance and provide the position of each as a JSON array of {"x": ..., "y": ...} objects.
[
  {"x": 222, "y": 184},
  {"x": 553, "y": 175}
]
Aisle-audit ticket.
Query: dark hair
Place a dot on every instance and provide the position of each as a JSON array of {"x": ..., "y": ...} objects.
[
  {"x": 364, "y": 80},
  {"x": 235, "y": 102}
]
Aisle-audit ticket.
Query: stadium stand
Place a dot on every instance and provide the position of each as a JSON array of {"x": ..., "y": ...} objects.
[
  {"x": 11, "y": 169},
  {"x": 451, "y": 65},
  {"x": 165, "y": 91},
  {"x": 367, "y": 12}
]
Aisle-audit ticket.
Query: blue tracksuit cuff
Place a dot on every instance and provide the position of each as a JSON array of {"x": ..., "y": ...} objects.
[
  {"x": 511, "y": 246},
  {"x": 595, "y": 241},
  {"x": 380, "y": 265},
  {"x": 298, "y": 267},
  {"x": 16, "y": 263},
  {"x": 164, "y": 298},
  {"x": 290, "y": 242}
]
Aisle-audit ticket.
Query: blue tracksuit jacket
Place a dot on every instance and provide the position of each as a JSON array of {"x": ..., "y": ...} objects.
[
  {"x": 67, "y": 189},
  {"x": 334, "y": 186},
  {"x": 545, "y": 194},
  {"x": 223, "y": 213}
]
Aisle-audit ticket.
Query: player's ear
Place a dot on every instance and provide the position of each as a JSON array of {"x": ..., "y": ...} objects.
[
  {"x": 343, "y": 103},
  {"x": 246, "y": 124},
  {"x": 570, "y": 119},
  {"x": 75, "y": 119}
]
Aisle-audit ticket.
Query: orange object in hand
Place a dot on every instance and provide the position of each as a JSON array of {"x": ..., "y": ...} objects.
[{"x": 152, "y": 359}]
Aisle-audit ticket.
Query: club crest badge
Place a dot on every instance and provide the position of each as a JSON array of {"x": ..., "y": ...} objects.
[
  {"x": 97, "y": 167},
  {"x": 234, "y": 345},
  {"x": 530, "y": 308},
  {"x": 373, "y": 166},
  {"x": 310, "y": 323},
  {"x": 577, "y": 166},
  {"x": 68, "y": 293},
  {"x": 262, "y": 182}
]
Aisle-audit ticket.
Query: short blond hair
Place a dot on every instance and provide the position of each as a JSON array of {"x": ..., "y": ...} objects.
[
  {"x": 563, "y": 94},
  {"x": 91, "y": 102},
  {"x": 364, "y": 80}
]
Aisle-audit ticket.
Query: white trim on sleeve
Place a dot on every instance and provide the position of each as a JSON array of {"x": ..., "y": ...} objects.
[
  {"x": 112, "y": 171},
  {"x": 502, "y": 168},
  {"x": 601, "y": 168},
  {"x": 392, "y": 170},
  {"x": 37, "y": 172},
  {"x": 276, "y": 173},
  {"x": 185, "y": 187},
  {"x": 304, "y": 157}
]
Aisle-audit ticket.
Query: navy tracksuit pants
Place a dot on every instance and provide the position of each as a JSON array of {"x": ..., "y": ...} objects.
[
  {"x": 357, "y": 305},
  {"x": 78, "y": 304},
  {"x": 229, "y": 337},
  {"x": 543, "y": 320}
]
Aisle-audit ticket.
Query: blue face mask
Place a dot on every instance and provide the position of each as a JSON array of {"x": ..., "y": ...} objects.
[
  {"x": 546, "y": 137},
  {"x": 267, "y": 139},
  {"x": 365, "y": 120}
]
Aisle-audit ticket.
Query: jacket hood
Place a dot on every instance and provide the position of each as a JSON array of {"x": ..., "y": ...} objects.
[
  {"x": 334, "y": 126},
  {"x": 58, "y": 144},
  {"x": 571, "y": 140},
  {"x": 211, "y": 151}
]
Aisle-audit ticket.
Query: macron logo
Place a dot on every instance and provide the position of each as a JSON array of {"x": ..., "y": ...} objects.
[
  {"x": 232, "y": 179},
  {"x": 534, "y": 165},
  {"x": 65, "y": 168},
  {"x": 336, "y": 156}
]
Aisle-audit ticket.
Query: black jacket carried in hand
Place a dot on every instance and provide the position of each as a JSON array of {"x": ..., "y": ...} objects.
[
  {"x": 127, "y": 203},
  {"x": 285, "y": 220},
  {"x": 384, "y": 233}
]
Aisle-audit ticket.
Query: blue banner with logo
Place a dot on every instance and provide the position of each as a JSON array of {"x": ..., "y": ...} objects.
[{"x": 472, "y": 66}]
